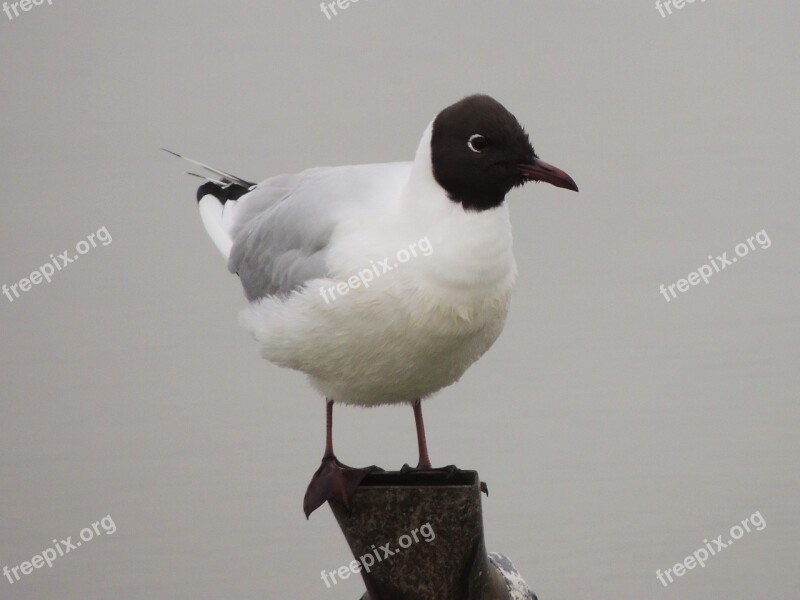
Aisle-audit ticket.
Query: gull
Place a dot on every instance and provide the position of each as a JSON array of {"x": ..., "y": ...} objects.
[{"x": 413, "y": 328}]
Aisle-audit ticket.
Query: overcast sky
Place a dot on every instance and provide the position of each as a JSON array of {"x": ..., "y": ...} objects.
[{"x": 616, "y": 429}]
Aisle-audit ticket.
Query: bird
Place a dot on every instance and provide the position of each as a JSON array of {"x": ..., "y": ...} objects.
[{"x": 302, "y": 245}]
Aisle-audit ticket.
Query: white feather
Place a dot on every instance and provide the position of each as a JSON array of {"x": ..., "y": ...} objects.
[{"x": 211, "y": 214}]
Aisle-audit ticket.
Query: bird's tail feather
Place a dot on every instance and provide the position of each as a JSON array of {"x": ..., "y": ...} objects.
[
  {"x": 226, "y": 177},
  {"x": 217, "y": 199}
]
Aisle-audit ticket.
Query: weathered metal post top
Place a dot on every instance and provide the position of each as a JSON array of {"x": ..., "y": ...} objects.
[{"x": 419, "y": 536}]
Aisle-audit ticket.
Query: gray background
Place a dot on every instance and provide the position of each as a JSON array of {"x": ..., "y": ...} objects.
[{"x": 616, "y": 430}]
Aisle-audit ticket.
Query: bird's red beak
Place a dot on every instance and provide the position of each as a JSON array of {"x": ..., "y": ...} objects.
[{"x": 538, "y": 170}]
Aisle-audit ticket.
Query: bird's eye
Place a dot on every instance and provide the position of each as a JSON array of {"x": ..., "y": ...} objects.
[{"x": 477, "y": 143}]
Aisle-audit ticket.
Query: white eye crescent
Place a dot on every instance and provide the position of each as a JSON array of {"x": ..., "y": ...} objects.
[{"x": 477, "y": 143}]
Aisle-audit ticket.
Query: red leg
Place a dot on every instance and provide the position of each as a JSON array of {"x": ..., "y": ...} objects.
[
  {"x": 424, "y": 460},
  {"x": 333, "y": 480},
  {"x": 329, "y": 430}
]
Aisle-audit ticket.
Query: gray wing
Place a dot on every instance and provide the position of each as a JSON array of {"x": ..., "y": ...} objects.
[{"x": 282, "y": 228}]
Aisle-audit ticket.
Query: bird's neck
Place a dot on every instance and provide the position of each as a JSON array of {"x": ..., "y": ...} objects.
[
  {"x": 469, "y": 247},
  {"x": 421, "y": 182}
]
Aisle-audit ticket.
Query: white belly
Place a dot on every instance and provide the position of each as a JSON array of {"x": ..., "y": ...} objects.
[{"x": 383, "y": 345}]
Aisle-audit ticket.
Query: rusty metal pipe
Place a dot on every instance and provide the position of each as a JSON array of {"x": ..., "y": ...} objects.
[{"x": 432, "y": 524}]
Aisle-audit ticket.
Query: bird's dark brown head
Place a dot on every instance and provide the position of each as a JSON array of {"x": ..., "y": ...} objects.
[{"x": 479, "y": 152}]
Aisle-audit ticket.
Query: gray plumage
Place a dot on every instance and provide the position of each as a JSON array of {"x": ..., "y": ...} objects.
[{"x": 282, "y": 228}]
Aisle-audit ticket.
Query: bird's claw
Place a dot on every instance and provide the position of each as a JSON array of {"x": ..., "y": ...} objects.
[
  {"x": 448, "y": 470},
  {"x": 333, "y": 481}
]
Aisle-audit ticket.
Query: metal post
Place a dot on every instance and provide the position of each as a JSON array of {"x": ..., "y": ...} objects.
[{"x": 431, "y": 525}]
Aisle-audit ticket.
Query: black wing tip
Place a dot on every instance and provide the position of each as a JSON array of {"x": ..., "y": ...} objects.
[{"x": 232, "y": 191}]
